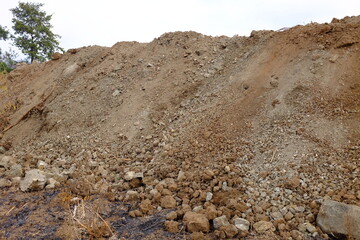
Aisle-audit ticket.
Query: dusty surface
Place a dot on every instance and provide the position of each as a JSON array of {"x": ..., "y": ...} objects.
[{"x": 266, "y": 127}]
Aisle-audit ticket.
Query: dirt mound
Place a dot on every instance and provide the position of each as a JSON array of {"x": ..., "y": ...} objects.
[{"x": 259, "y": 128}]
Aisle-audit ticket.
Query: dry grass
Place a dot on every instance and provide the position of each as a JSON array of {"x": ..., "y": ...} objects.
[{"x": 83, "y": 219}]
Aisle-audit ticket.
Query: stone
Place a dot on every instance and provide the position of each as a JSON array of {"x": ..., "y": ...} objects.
[
  {"x": 34, "y": 180},
  {"x": 116, "y": 93},
  {"x": 146, "y": 206},
  {"x": 171, "y": 215},
  {"x": 168, "y": 202},
  {"x": 211, "y": 212},
  {"x": 41, "y": 165},
  {"x": 339, "y": 218},
  {"x": 56, "y": 56},
  {"x": 2, "y": 150},
  {"x": 172, "y": 226},
  {"x": 198, "y": 236},
  {"x": 263, "y": 226},
  {"x": 5, "y": 183},
  {"x": 131, "y": 195},
  {"x": 230, "y": 231},
  {"x": 70, "y": 70},
  {"x": 310, "y": 228},
  {"x": 209, "y": 196},
  {"x": 292, "y": 183},
  {"x": 52, "y": 183},
  {"x": 288, "y": 216},
  {"x": 220, "y": 221},
  {"x": 129, "y": 175},
  {"x": 15, "y": 170},
  {"x": 242, "y": 224},
  {"x": 7, "y": 161},
  {"x": 196, "y": 222},
  {"x": 276, "y": 215}
]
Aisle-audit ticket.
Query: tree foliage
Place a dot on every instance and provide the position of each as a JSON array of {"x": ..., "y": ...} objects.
[
  {"x": 4, "y": 34},
  {"x": 32, "y": 32}
]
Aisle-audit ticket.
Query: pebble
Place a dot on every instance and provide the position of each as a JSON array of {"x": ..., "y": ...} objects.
[
  {"x": 172, "y": 226},
  {"x": 209, "y": 196},
  {"x": 171, "y": 215},
  {"x": 196, "y": 222},
  {"x": 168, "y": 202},
  {"x": 242, "y": 224},
  {"x": 263, "y": 226},
  {"x": 220, "y": 221},
  {"x": 5, "y": 183}
]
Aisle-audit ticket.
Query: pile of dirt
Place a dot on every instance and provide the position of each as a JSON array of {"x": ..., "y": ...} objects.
[{"x": 199, "y": 136}]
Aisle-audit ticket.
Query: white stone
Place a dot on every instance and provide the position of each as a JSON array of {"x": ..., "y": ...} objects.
[
  {"x": 34, "y": 180},
  {"x": 242, "y": 224}
]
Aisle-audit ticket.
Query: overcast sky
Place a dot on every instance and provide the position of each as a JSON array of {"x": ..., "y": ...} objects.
[{"x": 105, "y": 22}]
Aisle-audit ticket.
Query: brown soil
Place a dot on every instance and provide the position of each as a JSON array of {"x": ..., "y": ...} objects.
[{"x": 237, "y": 117}]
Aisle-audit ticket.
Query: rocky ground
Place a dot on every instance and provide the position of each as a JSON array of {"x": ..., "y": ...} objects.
[{"x": 187, "y": 137}]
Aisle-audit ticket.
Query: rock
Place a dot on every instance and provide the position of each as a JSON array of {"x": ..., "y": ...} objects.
[
  {"x": 211, "y": 212},
  {"x": 131, "y": 175},
  {"x": 196, "y": 222},
  {"x": 339, "y": 218},
  {"x": 116, "y": 93},
  {"x": 15, "y": 170},
  {"x": 52, "y": 183},
  {"x": 276, "y": 215},
  {"x": 70, "y": 70},
  {"x": 7, "y": 161},
  {"x": 310, "y": 228},
  {"x": 168, "y": 202},
  {"x": 220, "y": 221},
  {"x": 198, "y": 236},
  {"x": 288, "y": 216},
  {"x": 146, "y": 206},
  {"x": 171, "y": 215},
  {"x": 5, "y": 183},
  {"x": 209, "y": 196},
  {"x": 41, "y": 165},
  {"x": 230, "y": 231},
  {"x": 263, "y": 226},
  {"x": 34, "y": 180},
  {"x": 131, "y": 195},
  {"x": 242, "y": 224},
  {"x": 172, "y": 226},
  {"x": 292, "y": 183},
  {"x": 56, "y": 56},
  {"x": 2, "y": 150}
]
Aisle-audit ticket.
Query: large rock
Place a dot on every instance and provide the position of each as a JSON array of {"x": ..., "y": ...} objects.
[
  {"x": 196, "y": 222},
  {"x": 34, "y": 180},
  {"x": 339, "y": 218}
]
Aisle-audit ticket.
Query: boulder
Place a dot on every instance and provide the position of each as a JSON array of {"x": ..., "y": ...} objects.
[
  {"x": 196, "y": 222},
  {"x": 34, "y": 180},
  {"x": 339, "y": 218}
]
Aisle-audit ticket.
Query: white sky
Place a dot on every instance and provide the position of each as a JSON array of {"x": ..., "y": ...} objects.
[{"x": 90, "y": 22}]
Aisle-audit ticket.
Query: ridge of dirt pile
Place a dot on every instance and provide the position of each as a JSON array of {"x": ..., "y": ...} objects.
[{"x": 250, "y": 133}]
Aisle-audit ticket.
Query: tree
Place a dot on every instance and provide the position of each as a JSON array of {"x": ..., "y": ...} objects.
[
  {"x": 6, "y": 61},
  {"x": 32, "y": 32},
  {"x": 4, "y": 34}
]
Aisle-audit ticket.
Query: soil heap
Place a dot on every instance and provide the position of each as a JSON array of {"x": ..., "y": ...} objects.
[{"x": 208, "y": 137}]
